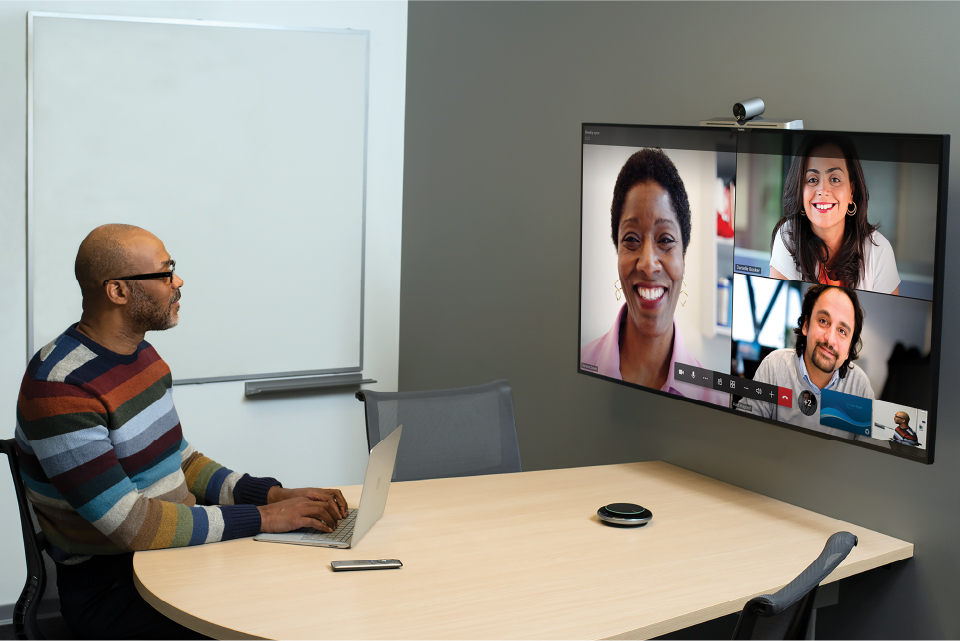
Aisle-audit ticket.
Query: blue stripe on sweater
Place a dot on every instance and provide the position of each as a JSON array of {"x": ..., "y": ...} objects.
[
  {"x": 157, "y": 470},
  {"x": 212, "y": 492},
  {"x": 143, "y": 440},
  {"x": 73, "y": 457},
  {"x": 201, "y": 525},
  {"x": 94, "y": 368},
  {"x": 240, "y": 520},
  {"x": 52, "y": 446},
  {"x": 157, "y": 412},
  {"x": 64, "y": 345},
  {"x": 96, "y": 508},
  {"x": 45, "y": 489}
]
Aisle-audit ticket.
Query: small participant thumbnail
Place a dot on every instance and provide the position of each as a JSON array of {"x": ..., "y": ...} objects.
[{"x": 899, "y": 424}]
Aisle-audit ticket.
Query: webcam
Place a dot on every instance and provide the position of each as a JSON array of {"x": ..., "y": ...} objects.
[
  {"x": 744, "y": 111},
  {"x": 746, "y": 115}
]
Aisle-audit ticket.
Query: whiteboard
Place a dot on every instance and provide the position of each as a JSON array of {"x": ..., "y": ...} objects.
[{"x": 242, "y": 147}]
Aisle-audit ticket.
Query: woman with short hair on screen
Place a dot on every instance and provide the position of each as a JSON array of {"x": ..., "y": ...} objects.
[
  {"x": 650, "y": 224},
  {"x": 824, "y": 235}
]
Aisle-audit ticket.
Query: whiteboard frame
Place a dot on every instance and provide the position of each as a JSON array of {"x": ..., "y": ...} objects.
[{"x": 31, "y": 15}]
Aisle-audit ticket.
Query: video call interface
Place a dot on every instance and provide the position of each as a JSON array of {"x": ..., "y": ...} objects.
[{"x": 790, "y": 276}]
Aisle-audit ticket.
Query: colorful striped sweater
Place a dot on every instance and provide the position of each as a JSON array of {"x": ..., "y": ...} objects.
[{"x": 104, "y": 461}]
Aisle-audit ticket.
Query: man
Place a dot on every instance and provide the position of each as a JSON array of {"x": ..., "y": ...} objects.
[
  {"x": 828, "y": 341},
  {"x": 904, "y": 434},
  {"x": 102, "y": 455}
]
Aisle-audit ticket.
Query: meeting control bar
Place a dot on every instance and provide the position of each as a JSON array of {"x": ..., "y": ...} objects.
[
  {"x": 736, "y": 385},
  {"x": 696, "y": 375}
]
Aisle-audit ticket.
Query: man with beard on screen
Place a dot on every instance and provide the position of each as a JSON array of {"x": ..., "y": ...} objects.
[{"x": 828, "y": 341}]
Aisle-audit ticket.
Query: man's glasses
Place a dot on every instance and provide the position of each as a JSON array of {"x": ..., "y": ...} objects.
[{"x": 154, "y": 276}]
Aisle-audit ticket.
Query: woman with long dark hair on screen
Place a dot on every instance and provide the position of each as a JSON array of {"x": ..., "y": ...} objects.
[
  {"x": 650, "y": 225},
  {"x": 824, "y": 235}
]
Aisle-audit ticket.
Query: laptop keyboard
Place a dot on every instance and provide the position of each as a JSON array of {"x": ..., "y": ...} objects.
[{"x": 342, "y": 534}]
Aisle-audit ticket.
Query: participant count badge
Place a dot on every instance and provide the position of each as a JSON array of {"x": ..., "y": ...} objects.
[{"x": 807, "y": 402}]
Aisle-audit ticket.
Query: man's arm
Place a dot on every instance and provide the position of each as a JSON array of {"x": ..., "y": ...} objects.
[
  {"x": 134, "y": 499},
  {"x": 214, "y": 484}
]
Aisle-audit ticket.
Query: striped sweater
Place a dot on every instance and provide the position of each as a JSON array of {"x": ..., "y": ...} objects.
[{"x": 104, "y": 461}]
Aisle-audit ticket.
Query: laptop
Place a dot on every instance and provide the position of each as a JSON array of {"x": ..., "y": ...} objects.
[{"x": 373, "y": 499}]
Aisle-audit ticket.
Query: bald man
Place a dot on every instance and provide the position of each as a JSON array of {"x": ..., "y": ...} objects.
[
  {"x": 904, "y": 434},
  {"x": 102, "y": 455}
]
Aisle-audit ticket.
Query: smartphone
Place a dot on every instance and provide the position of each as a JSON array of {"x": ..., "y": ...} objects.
[{"x": 373, "y": 564}]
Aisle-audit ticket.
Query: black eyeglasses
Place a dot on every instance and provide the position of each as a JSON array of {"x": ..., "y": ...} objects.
[{"x": 153, "y": 276}]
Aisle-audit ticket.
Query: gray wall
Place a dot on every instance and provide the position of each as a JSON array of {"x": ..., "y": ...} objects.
[{"x": 496, "y": 93}]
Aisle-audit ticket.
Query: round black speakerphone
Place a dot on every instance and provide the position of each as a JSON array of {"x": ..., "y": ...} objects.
[{"x": 624, "y": 515}]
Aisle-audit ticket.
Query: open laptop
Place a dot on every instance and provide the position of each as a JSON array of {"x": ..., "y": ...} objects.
[{"x": 373, "y": 499}]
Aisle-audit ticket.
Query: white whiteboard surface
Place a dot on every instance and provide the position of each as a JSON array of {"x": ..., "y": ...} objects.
[{"x": 241, "y": 146}]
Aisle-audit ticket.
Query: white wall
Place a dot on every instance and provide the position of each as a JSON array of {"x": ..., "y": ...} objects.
[{"x": 301, "y": 439}]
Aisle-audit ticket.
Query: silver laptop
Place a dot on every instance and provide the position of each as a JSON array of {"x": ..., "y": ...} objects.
[{"x": 373, "y": 499}]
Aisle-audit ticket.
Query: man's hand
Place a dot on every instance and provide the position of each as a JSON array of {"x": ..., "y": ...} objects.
[
  {"x": 295, "y": 513},
  {"x": 336, "y": 504}
]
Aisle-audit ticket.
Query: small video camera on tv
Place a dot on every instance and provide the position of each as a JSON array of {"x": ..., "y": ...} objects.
[{"x": 744, "y": 111}]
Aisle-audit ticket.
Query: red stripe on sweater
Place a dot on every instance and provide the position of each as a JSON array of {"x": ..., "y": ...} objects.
[
  {"x": 79, "y": 475},
  {"x": 38, "y": 408},
  {"x": 121, "y": 373},
  {"x": 31, "y": 389},
  {"x": 135, "y": 385},
  {"x": 135, "y": 461}
]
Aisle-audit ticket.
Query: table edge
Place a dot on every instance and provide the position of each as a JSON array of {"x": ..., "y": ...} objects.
[{"x": 186, "y": 619}]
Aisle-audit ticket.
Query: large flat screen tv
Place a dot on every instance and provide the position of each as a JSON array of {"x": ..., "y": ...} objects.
[{"x": 789, "y": 277}]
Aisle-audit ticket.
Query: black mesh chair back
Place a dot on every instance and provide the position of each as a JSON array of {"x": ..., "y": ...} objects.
[
  {"x": 456, "y": 432},
  {"x": 25, "y": 624},
  {"x": 788, "y": 613}
]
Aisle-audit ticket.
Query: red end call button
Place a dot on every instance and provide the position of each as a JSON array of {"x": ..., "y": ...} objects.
[{"x": 785, "y": 397}]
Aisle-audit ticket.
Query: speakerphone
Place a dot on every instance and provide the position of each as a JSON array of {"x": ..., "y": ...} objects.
[{"x": 625, "y": 514}]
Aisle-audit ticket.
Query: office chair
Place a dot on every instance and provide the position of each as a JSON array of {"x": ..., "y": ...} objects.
[
  {"x": 25, "y": 611},
  {"x": 456, "y": 432},
  {"x": 788, "y": 613}
]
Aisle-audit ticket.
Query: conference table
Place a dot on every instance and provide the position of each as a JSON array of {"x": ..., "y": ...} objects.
[{"x": 513, "y": 556}]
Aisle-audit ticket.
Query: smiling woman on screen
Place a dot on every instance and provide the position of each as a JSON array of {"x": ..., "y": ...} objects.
[
  {"x": 650, "y": 224},
  {"x": 824, "y": 235}
]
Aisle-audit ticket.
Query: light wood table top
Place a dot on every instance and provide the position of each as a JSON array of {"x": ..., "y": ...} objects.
[{"x": 513, "y": 556}]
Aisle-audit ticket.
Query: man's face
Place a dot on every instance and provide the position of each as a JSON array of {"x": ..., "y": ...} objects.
[
  {"x": 153, "y": 304},
  {"x": 829, "y": 331}
]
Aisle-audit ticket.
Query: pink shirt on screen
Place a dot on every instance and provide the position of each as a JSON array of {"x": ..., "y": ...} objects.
[{"x": 604, "y": 354}]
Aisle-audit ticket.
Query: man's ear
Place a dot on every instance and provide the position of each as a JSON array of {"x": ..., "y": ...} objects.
[
  {"x": 804, "y": 328},
  {"x": 116, "y": 292}
]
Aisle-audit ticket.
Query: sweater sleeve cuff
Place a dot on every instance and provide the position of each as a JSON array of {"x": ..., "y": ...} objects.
[
  {"x": 252, "y": 490},
  {"x": 240, "y": 521}
]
